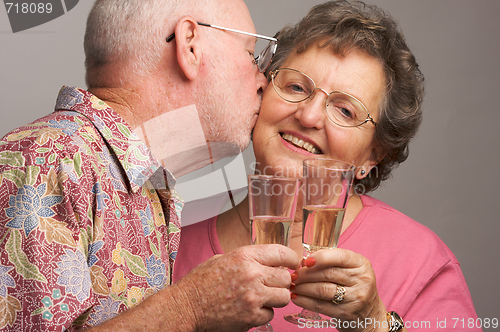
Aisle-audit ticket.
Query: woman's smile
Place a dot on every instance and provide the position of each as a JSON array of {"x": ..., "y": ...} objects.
[{"x": 300, "y": 143}]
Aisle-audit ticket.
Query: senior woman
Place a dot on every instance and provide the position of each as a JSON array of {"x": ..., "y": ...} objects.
[{"x": 344, "y": 85}]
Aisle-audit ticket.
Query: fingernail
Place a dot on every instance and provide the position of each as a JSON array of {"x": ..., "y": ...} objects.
[
  {"x": 294, "y": 276},
  {"x": 309, "y": 262},
  {"x": 293, "y": 296},
  {"x": 292, "y": 287}
]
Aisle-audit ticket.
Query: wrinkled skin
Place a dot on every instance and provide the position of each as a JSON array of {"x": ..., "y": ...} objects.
[
  {"x": 231, "y": 292},
  {"x": 315, "y": 284},
  {"x": 236, "y": 291}
]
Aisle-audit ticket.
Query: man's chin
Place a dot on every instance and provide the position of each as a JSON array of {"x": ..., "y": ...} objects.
[{"x": 220, "y": 150}]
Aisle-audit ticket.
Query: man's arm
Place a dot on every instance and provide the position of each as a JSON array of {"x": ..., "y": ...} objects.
[{"x": 230, "y": 292}]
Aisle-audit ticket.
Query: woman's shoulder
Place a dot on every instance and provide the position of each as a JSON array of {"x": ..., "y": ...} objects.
[
  {"x": 385, "y": 217},
  {"x": 407, "y": 256},
  {"x": 393, "y": 231},
  {"x": 381, "y": 207}
]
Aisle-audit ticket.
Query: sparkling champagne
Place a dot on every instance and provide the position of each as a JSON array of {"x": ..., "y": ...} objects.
[
  {"x": 270, "y": 230},
  {"x": 321, "y": 227}
]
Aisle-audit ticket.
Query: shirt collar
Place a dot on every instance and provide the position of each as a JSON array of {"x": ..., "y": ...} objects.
[{"x": 132, "y": 153}]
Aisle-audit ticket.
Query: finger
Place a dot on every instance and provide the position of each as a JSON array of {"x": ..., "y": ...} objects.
[
  {"x": 272, "y": 255},
  {"x": 277, "y": 277},
  {"x": 266, "y": 314},
  {"x": 336, "y": 275},
  {"x": 319, "y": 306},
  {"x": 319, "y": 298},
  {"x": 319, "y": 290},
  {"x": 334, "y": 257},
  {"x": 277, "y": 297},
  {"x": 339, "y": 266}
]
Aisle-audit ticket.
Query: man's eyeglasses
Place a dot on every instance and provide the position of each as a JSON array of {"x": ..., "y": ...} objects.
[
  {"x": 342, "y": 108},
  {"x": 263, "y": 60}
]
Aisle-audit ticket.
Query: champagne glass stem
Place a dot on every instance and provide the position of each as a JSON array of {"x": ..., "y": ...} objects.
[
  {"x": 310, "y": 315},
  {"x": 263, "y": 328}
]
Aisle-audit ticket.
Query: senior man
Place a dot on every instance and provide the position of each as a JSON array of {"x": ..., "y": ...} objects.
[{"x": 89, "y": 218}]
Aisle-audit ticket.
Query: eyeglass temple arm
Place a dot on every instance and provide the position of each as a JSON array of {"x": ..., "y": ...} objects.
[
  {"x": 371, "y": 119},
  {"x": 238, "y": 31},
  {"x": 172, "y": 36}
]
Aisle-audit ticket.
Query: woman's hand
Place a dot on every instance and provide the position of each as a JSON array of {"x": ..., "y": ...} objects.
[{"x": 315, "y": 285}]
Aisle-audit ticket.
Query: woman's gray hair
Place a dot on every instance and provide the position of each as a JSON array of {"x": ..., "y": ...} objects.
[
  {"x": 130, "y": 32},
  {"x": 345, "y": 25}
]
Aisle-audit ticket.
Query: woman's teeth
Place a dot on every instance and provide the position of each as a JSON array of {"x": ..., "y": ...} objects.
[{"x": 301, "y": 144}]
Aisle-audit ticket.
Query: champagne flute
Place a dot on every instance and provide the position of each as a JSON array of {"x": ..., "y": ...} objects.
[
  {"x": 327, "y": 189},
  {"x": 272, "y": 203}
]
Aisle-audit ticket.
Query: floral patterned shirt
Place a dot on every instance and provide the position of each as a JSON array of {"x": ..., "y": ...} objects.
[{"x": 88, "y": 224}]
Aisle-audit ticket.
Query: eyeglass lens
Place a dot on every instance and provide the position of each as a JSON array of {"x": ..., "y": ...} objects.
[
  {"x": 263, "y": 60},
  {"x": 341, "y": 108}
]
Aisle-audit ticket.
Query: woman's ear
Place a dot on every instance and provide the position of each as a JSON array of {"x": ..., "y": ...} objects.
[
  {"x": 375, "y": 157},
  {"x": 187, "y": 41}
]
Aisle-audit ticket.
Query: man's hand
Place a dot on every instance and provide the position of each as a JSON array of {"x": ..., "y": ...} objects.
[
  {"x": 236, "y": 291},
  {"x": 231, "y": 292}
]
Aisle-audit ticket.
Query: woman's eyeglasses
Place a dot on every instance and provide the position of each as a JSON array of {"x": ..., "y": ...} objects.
[
  {"x": 263, "y": 60},
  {"x": 342, "y": 108}
]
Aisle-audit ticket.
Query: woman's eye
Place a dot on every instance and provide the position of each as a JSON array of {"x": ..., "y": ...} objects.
[
  {"x": 341, "y": 111},
  {"x": 295, "y": 88},
  {"x": 346, "y": 113}
]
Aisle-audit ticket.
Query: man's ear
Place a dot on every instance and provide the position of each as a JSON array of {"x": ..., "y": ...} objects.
[{"x": 188, "y": 45}]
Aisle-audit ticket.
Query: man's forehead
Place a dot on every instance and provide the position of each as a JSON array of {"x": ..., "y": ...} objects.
[{"x": 237, "y": 16}]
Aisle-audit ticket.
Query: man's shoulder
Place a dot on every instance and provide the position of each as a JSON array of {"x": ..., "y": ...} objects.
[
  {"x": 55, "y": 125},
  {"x": 47, "y": 140}
]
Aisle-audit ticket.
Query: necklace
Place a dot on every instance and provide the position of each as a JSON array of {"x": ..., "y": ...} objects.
[
  {"x": 241, "y": 219},
  {"x": 237, "y": 211}
]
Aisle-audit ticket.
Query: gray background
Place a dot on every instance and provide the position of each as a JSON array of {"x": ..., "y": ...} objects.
[{"x": 450, "y": 181}]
